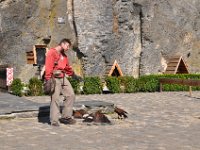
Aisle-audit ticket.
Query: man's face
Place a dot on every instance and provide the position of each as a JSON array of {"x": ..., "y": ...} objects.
[{"x": 65, "y": 46}]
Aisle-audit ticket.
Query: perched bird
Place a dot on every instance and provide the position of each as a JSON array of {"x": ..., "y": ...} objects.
[
  {"x": 88, "y": 118},
  {"x": 122, "y": 114},
  {"x": 97, "y": 117},
  {"x": 79, "y": 113},
  {"x": 100, "y": 117}
]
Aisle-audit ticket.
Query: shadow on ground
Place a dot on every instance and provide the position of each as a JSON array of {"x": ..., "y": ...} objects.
[{"x": 43, "y": 114}]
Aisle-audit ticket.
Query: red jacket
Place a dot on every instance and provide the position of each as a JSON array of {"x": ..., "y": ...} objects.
[{"x": 62, "y": 64}]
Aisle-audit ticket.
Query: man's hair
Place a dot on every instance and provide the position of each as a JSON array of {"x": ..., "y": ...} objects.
[{"x": 65, "y": 41}]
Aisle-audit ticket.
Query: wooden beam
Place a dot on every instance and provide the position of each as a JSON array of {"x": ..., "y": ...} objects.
[
  {"x": 190, "y": 91},
  {"x": 188, "y": 82},
  {"x": 34, "y": 55}
]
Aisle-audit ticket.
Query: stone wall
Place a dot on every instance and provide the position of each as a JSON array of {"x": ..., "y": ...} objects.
[
  {"x": 108, "y": 30},
  {"x": 140, "y": 34},
  {"x": 169, "y": 27},
  {"x": 25, "y": 23}
]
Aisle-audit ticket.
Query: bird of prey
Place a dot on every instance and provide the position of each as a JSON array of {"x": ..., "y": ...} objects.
[
  {"x": 122, "y": 114},
  {"x": 79, "y": 113},
  {"x": 97, "y": 117},
  {"x": 100, "y": 117}
]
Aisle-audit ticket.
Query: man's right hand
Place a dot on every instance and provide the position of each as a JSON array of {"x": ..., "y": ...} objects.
[{"x": 76, "y": 77}]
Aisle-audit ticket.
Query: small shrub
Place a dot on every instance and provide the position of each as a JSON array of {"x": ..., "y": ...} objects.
[
  {"x": 148, "y": 83},
  {"x": 35, "y": 87},
  {"x": 92, "y": 85},
  {"x": 129, "y": 83},
  {"x": 113, "y": 84},
  {"x": 16, "y": 87},
  {"x": 25, "y": 90}
]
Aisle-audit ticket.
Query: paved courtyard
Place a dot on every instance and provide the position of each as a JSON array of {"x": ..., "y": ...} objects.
[{"x": 156, "y": 121}]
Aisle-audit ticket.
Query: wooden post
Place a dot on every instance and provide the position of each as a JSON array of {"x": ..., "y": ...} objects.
[
  {"x": 190, "y": 91},
  {"x": 160, "y": 87}
]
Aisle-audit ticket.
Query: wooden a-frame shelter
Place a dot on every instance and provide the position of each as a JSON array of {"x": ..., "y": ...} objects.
[
  {"x": 177, "y": 65},
  {"x": 113, "y": 69}
]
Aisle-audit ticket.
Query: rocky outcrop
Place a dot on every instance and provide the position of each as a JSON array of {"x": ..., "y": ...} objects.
[
  {"x": 140, "y": 34},
  {"x": 169, "y": 27},
  {"x": 107, "y": 31},
  {"x": 26, "y": 23}
]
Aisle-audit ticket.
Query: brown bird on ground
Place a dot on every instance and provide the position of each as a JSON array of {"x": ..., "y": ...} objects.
[
  {"x": 122, "y": 114},
  {"x": 79, "y": 113},
  {"x": 88, "y": 118},
  {"x": 97, "y": 117},
  {"x": 100, "y": 117}
]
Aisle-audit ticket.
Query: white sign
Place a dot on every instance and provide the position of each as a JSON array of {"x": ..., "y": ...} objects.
[
  {"x": 61, "y": 20},
  {"x": 9, "y": 76}
]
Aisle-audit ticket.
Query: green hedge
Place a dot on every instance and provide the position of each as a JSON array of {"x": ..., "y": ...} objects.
[
  {"x": 173, "y": 87},
  {"x": 17, "y": 87},
  {"x": 35, "y": 87},
  {"x": 129, "y": 84},
  {"x": 92, "y": 85},
  {"x": 113, "y": 84},
  {"x": 148, "y": 83},
  {"x": 125, "y": 84}
]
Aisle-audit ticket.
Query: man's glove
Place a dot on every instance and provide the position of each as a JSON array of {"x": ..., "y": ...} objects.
[{"x": 76, "y": 77}]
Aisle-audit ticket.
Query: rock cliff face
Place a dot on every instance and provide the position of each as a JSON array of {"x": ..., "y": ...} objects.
[
  {"x": 169, "y": 27},
  {"x": 107, "y": 31},
  {"x": 25, "y": 23},
  {"x": 140, "y": 34}
]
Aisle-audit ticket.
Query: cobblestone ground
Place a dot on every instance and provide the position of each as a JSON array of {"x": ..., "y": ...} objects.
[{"x": 157, "y": 121}]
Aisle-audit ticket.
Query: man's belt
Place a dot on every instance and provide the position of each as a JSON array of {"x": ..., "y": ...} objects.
[{"x": 58, "y": 73}]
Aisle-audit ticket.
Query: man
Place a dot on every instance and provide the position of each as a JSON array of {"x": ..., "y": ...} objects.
[{"x": 57, "y": 65}]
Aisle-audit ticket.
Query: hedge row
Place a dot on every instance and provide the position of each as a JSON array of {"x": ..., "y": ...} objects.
[
  {"x": 128, "y": 84},
  {"x": 125, "y": 84},
  {"x": 33, "y": 88}
]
